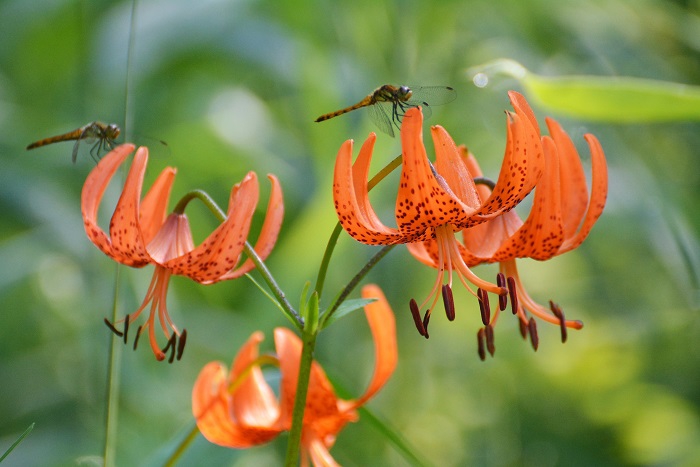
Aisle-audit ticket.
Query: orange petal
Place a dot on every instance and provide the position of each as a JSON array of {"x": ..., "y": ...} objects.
[
  {"x": 351, "y": 199},
  {"x": 542, "y": 233},
  {"x": 523, "y": 165},
  {"x": 221, "y": 250},
  {"x": 425, "y": 252},
  {"x": 383, "y": 326},
  {"x": 521, "y": 107},
  {"x": 124, "y": 229},
  {"x": 423, "y": 202},
  {"x": 452, "y": 167},
  {"x": 154, "y": 205},
  {"x": 574, "y": 194},
  {"x": 321, "y": 402},
  {"x": 212, "y": 406},
  {"x": 320, "y": 456},
  {"x": 269, "y": 232},
  {"x": 93, "y": 191},
  {"x": 599, "y": 193}
]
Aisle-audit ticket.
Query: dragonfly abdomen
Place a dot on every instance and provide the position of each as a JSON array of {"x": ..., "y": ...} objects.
[
  {"x": 363, "y": 103},
  {"x": 56, "y": 139}
]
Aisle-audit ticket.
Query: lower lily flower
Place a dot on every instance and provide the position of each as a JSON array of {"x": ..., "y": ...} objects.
[
  {"x": 141, "y": 233},
  {"x": 561, "y": 217},
  {"x": 435, "y": 202},
  {"x": 239, "y": 409}
]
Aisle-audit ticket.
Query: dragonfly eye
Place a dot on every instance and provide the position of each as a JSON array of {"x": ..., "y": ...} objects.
[
  {"x": 405, "y": 92},
  {"x": 113, "y": 130}
]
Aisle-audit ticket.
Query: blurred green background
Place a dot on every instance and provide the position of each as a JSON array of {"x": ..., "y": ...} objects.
[{"x": 234, "y": 86}]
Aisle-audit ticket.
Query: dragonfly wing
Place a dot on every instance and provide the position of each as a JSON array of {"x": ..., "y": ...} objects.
[
  {"x": 432, "y": 95},
  {"x": 379, "y": 114}
]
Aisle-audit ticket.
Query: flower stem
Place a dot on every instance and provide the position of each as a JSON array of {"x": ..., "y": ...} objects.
[
  {"x": 294, "y": 441},
  {"x": 287, "y": 307},
  {"x": 323, "y": 269},
  {"x": 182, "y": 447},
  {"x": 112, "y": 399}
]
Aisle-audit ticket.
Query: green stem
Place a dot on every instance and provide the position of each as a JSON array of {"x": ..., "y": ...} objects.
[
  {"x": 294, "y": 441},
  {"x": 354, "y": 282},
  {"x": 182, "y": 447},
  {"x": 113, "y": 365},
  {"x": 333, "y": 240},
  {"x": 287, "y": 307}
]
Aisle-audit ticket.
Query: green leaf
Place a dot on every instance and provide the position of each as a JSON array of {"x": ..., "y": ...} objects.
[
  {"x": 348, "y": 307},
  {"x": 601, "y": 98},
  {"x": 19, "y": 440}
]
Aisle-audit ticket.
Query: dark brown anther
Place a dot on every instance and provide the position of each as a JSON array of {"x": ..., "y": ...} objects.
[
  {"x": 532, "y": 328},
  {"x": 415, "y": 312},
  {"x": 113, "y": 329},
  {"x": 449, "y": 302},
  {"x": 512, "y": 291},
  {"x": 502, "y": 299},
  {"x": 181, "y": 344},
  {"x": 562, "y": 320},
  {"x": 484, "y": 306},
  {"x": 523, "y": 328},
  {"x": 170, "y": 346},
  {"x": 490, "y": 342},
  {"x": 426, "y": 320},
  {"x": 480, "y": 343},
  {"x": 138, "y": 334},
  {"x": 126, "y": 327}
]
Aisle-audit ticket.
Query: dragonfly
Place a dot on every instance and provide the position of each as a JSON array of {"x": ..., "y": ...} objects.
[
  {"x": 387, "y": 104},
  {"x": 103, "y": 133}
]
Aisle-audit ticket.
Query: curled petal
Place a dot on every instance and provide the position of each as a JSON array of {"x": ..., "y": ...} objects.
[
  {"x": 93, "y": 191},
  {"x": 383, "y": 326},
  {"x": 599, "y": 194},
  {"x": 350, "y": 195},
  {"x": 125, "y": 227},
  {"x": 320, "y": 456},
  {"x": 154, "y": 206},
  {"x": 239, "y": 410},
  {"x": 269, "y": 232},
  {"x": 523, "y": 165},
  {"x": 521, "y": 107},
  {"x": 542, "y": 234},
  {"x": 221, "y": 250},
  {"x": 423, "y": 201},
  {"x": 321, "y": 401},
  {"x": 453, "y": 169}
]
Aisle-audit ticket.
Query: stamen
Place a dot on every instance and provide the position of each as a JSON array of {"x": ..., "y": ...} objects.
[
  {"x": 113, "y": 329},
  {"x": 426, "y": 320},
  {"x": 416, "y": 317},
  {"x": 512, "y": 290},
  {"x": 502, "y": 299},
  {"x": 181, "y": 344},
  {"x": 532, "y": 327},
  {"x": 480, "y": 343},
  {"x": 484, "y": 306},
  {"x": 449, "y": 302},
  {"x": 523, "y": 328},
  {"x": 562, "y": 321},
  {"x": 138, "y": 334},
  {"x": 490, "y": 343},
  {"x": 170, "y": 346},
  {"x": 126, "y": 327}
]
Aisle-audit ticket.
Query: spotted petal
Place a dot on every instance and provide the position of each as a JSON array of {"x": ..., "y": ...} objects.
[
  {"x": 220, "y": 251},
  {"x": 269, "y": 232}
]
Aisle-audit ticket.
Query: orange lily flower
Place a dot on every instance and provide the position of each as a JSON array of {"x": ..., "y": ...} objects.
[
  {"x": 240, "y": 410},
  {"x": 436, "y": 201},
  {"x": 561, "y": 217},
  {"x": 141, "y": 233}
]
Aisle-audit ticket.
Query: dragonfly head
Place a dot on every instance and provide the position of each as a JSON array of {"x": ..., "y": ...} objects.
[
  {"x": 113, "y": 131},
  {"x": 405, "y": 93}
]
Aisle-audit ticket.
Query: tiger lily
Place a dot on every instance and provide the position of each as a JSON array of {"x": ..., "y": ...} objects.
[
  {"x": 141, "y": 233},
  {"x": 436, "y": 202},
  {"x": 561, "y": 217},
  {"x": 238, "y": 409}
]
